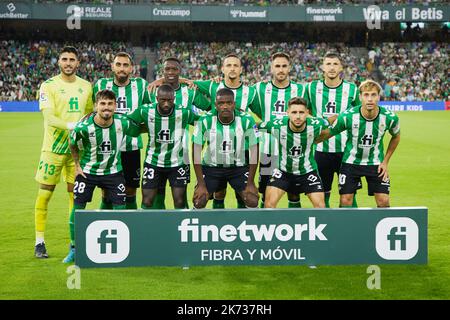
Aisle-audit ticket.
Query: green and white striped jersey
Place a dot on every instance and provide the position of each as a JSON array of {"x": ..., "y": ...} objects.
[
  {"x": 166, "y": 134},
  {"x": 128, "y": 99},
  {"x": 243, "y": 96},
  {"x": 187, "y": 98},
  {"x": 225, "y": 144},
  {"x": 365, "y": 138},
  {"x": 325, "y": 102},
  {"x": 100, "y": 147},
  {"x": 271, "y": 103},
  {"x": 296, "y": 149}
]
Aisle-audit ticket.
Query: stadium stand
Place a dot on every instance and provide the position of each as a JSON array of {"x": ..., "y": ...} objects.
[{"x": 26, "y": 64}]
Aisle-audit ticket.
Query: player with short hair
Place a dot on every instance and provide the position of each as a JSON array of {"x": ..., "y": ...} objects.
[
  {"x": 131, "y": 92},
  {"x": 271, "y": 104},
  {"x": 227, "y": 133},
  {"x": 63, "y": 100},
  {"x": 185, "y": 97},
  {"x": 296, "y": 171},
  {"x": 95, "y": 144},
  {"x": 244, "y": 97},
  {"x": 364, "y": 151},
  {"x": 167, "y": 157},
  {"x": 331, "y": 96}
]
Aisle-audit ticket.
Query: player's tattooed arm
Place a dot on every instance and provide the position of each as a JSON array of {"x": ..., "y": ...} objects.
[
  {"x": 324, "y": 135},
  {"x": 76, "y": 158}
]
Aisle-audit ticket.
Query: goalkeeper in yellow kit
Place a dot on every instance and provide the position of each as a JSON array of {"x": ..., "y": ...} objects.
[{"x": 63, "y": 100}]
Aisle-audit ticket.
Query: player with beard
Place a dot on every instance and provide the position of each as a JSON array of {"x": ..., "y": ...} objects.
[
  {"x": 329, "y": 96},
  {"x": 63, "y": 100},
  {"x": 130, "y": 92},
  {"x": 271, "y": 102},
  {"x": 95, "y": 145}
]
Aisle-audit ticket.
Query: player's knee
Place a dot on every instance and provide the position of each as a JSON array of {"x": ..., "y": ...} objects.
[
  {"x": 220, "y": 195},
  {"x": 346, "y": 199},
  {"x": 383, "y": 202},
  {"x": 251, "y": 201},
  {"x": 179, "y": 203},
  {"x": 319, "y": 204},
  {"x": 147, "y": 202}
]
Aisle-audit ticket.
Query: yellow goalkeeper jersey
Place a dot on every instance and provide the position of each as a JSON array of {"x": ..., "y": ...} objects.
[{"x": 69, "y": 102}]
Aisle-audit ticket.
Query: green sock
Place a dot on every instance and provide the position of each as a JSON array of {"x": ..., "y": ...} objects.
[
  {"x": 106, "y": 204},
  {"x": 327, "y": 199},
  {"x": 72, "y": 221},
  {"x": 295, "y": 204},
  {"x": 261, "y": 205},
  {"x": 130, "y": 202},
  {"x": 354, "y": 204},
  {"x": 341, "y": 206},
  {"x": 218, "y": 204}
]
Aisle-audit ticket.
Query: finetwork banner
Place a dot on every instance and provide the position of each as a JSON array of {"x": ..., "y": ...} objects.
[{"x": 251, "y": 237}]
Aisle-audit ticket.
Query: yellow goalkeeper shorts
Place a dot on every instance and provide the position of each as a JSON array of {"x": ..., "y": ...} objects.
[{"x": 52, "y": 166}]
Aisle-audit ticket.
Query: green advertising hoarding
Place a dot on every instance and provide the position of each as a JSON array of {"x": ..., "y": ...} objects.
[
  {"x": 251, "y": 237},
  {"x": 206, "y": 13}
]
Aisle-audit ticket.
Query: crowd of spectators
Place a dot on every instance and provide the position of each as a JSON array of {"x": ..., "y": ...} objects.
[
  {"x": 407, "y": 71},
  {"x": 414, "y": 71},
  {"x": 25, "y": 65},
  {"x": 202, "y": 60}
]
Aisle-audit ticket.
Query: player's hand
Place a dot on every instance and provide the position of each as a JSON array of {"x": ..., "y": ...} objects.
[
  {"x": 79, "y": 171},
  {"x": 201, "y": 196},
  {"x": 383, "y": 171},
  {"x": 251, "y": 196},
  {"x": 154, "y": 85},
  {"x": 217, "y": 79},
  {"x": 189, "y": 83},
  {"x": 87, "y": 116}
]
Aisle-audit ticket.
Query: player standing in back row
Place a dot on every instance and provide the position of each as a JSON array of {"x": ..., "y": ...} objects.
[
  {"x": 63, "y": 100},
  {"x": 244, "y": 98},
  {"x": 271, "y": 103},
  {"x": 130, "y": 93},
  {"x": 327, "y": 97}
]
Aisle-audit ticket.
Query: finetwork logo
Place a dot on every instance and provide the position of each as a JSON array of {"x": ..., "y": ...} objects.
[
  {"x": 107, "y": 241},
  {"x": 397, "y": 238}
]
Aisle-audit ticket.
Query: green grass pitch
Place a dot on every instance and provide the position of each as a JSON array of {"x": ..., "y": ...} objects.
[{"x": 420, "y": 171}]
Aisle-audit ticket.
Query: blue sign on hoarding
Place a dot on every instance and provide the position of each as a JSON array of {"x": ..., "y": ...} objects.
[
  {"x": 413, "y": 105},
  {"x": 19, "y": 106}
]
